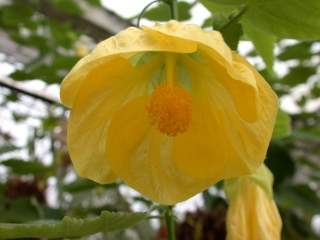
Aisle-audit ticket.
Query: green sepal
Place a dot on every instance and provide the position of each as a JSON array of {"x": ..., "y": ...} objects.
[
  {"x": 184, "y": 77},
  {"x": 141, "y": 58}
]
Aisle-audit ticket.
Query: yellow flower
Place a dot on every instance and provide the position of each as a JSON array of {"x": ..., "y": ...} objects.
[
  {"x": 168, "y": 109},
  {"x": 252, "y": 213}
]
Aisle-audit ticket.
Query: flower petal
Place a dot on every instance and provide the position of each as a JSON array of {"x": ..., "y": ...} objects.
[
  {"x": 194, "y": 34},
  {"x": 131, "y": 40},
  {"x": 224, "y": 139},
  {"x": 237, "y": 77},
  {"x": 252, "y": 212},
  {"x": 142, "y": 157},
  {"x": 107, "y": 88}
]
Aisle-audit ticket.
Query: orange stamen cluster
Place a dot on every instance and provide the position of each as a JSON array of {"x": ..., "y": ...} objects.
[{"x": 170, "y": 109}]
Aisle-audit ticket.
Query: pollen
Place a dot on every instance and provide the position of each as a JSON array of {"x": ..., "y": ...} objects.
[{"x": 170, "y": 109}]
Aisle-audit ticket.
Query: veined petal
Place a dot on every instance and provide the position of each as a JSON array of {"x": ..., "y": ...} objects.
[
  {"x": 131, "y": 40},
  {"x": 211, "y": 41},
  {"x": 252, "y": 212},
  {"x": 225, "y": 140},
  {"x": 142, "y": 157},
  {"x": 236, "y": 76},
  {"x": 107, "y": 88}
]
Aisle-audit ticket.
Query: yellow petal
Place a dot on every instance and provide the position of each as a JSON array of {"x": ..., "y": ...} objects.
[
  {"x": 142, "y": 157},
  {"x": 225, "y": 139},
  {"x": 252, "y": 213},
  {"x": 107, "y": 88},
  {"x": 193, "y": 34},
  {"x": 212, "y": 44},
  {"x": 131, "y": 40}
]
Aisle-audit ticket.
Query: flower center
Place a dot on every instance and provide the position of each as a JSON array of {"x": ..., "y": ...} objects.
[{"x": 170, "y": 107}]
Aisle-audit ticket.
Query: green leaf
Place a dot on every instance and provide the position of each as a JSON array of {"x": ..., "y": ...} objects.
[
  {"x": 70, "y": 227},
  {"x": 263, "y": 42},
  {"x": 218, "y": 21},
  {"x": 299, "y": 196},
  {"x": 307, "y": 134},
  {"x": 16, "y": 14},
  {"x": 215, "y": 8},
  {"x": 282, "y": 126},
  {"x": 280, "y": 162},
  {"x": 7, "y": 148},
  {"x": 162, "y": 12},
  {"x": 84, "y": 184},
  {"x": 232, "y": 33},
  {"x": 26, "y": 167},
  {"x": 299, "y": 51},
  {"x": 68, "y": 6},
  {"x": 207, "y": 23},
  {"x": 234, "y": 2},
  {"x": 17, "y": 210},
  {"x": 96, "y": 3},
  {"x": 285, "y": 19},
  {"x": 298, "y": 75}
]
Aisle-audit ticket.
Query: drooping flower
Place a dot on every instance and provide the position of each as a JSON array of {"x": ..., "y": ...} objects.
[
  {"x": 252, "y": 212},
  {"x": 168, "y": 109}
]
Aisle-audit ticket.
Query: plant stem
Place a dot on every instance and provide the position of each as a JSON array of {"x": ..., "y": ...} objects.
[
  {"x": 169, "y": 218},
  {"x": 144, "y": 10},
  {"x": 174, "y": 9}
]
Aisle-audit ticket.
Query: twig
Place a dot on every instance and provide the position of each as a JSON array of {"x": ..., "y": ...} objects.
[{"x": 10, "y": 84}]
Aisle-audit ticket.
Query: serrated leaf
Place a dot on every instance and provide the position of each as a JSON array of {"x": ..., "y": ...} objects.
[
  {"x": 70, "y": 227},
  {"x": 282, "y": 126}
]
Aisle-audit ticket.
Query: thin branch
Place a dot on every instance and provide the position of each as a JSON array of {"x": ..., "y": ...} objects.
[
  {"x": 12, "y": 85},
  {"x": 87, "y": 23}
]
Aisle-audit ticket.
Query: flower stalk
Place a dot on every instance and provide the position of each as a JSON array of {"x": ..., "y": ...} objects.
[
  {"x": 169, "y": 218},
  {"x": 174, "y": 9}
]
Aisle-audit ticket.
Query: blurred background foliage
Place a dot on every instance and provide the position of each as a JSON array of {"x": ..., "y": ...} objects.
[{"x": 40, "y": 40}]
